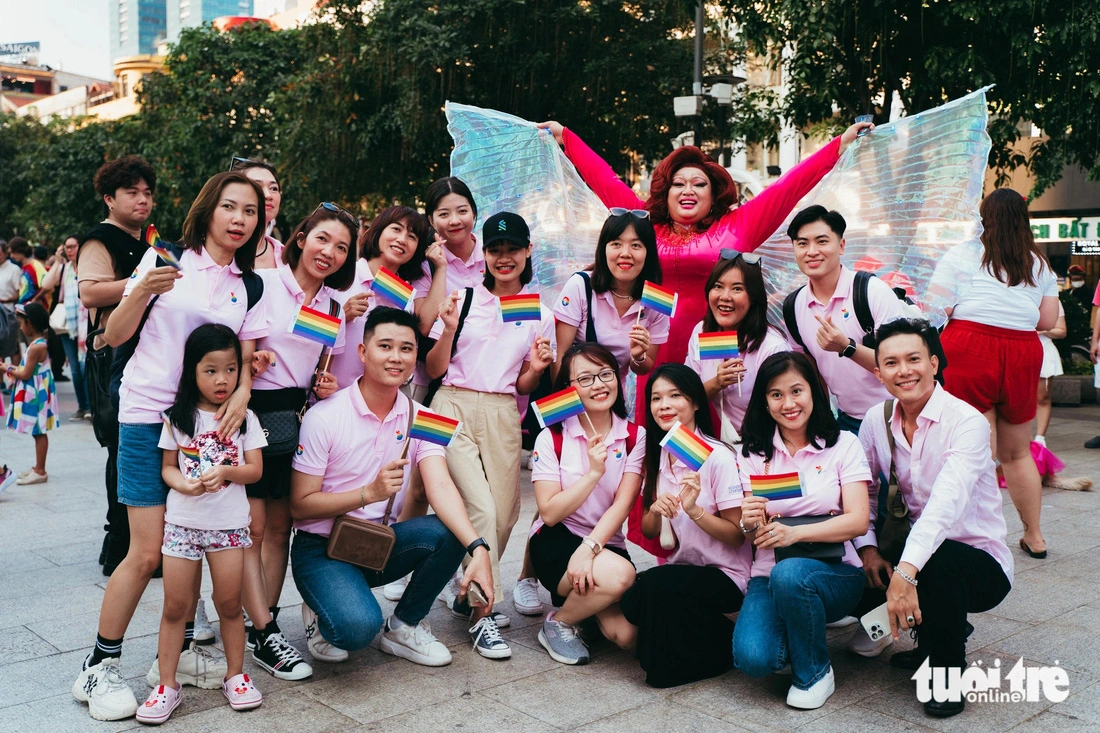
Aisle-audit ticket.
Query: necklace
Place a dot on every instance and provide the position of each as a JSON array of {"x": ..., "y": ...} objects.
[
  {"x": 623, "y": 297},
  {"x": 266, "y": 244}
]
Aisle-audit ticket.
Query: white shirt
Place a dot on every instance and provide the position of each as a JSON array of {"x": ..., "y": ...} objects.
[
  {"x": 994, "y": 303},
  {"x": 946, "y": 477},
  {"x": 10, "y": 276}
]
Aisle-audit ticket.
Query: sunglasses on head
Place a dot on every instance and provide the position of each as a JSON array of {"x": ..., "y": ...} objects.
[
  {"x": 340, "y": 212},
  {"x": 236, "y": 160},
  {"x": 636, "y": 213},
  {"x": 728, "y": 253}
]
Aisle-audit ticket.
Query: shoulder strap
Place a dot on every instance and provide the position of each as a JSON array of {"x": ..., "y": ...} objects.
[
  {"x": 861, "y": 301},
  {"x": 789, "y": 317},
  {"x": 590, "y": 325},
  {"x": 466, "y": 303},
  {"x": 559, "y": 440},
  {"x": 404, "y": 452},
  {"x": 253, "y": 288}
]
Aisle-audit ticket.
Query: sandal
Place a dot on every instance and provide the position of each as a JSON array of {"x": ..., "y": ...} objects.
[{"x": 1029, "y": 551}]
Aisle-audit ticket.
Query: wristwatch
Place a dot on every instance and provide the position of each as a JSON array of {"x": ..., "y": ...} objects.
[
  {"x": 849, "y": 350},
  {"x": 479, "y": 542},
  {"x": 592, "y": 545}
]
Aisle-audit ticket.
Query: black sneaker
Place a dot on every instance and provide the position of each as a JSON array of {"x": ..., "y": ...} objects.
[
  {"x": 1093, "y": 442},
  {"x": 277, "y": 656}
]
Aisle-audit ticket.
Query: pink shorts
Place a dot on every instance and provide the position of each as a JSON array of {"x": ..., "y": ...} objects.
[
  {"x": 990, "y": 367},
  {"x": 190, "y": 544}
]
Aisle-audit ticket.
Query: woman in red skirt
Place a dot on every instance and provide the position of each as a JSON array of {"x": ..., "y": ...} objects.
[{"x": 993, "y": 352}]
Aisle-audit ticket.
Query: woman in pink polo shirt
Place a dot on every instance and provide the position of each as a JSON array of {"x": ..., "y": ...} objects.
[
  {"x": 483, "y": 371},
  {"x": 736, "y": 301},
  {"x": 397, "y": 239},
  {"x": 318, "y": 260},
  {"x": 806, "y": 571},
  {"x": 676, "y": 617},
  {"x": 270, "y": 251},
  {"x": 585, "y": 483},
  {"x": 220, "y": 234}
]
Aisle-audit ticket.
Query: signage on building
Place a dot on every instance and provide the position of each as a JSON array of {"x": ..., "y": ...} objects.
[
  {"x": 19, "y": 49},
  {"x": 1067, "y": 229},
  {"x": 1087, "y": 248}
]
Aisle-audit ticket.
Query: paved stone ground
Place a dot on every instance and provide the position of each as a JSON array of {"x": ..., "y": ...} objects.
[{"x": 51, "y": 589}]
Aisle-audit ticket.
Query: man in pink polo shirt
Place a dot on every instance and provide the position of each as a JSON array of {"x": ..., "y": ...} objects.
[
  {"x": 825, "y": 313},
  {"x": 349, "y": 462}
]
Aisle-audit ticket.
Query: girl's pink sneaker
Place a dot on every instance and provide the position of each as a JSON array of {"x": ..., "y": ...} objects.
[
  {"x": 241, "y": 693},
  {"x": 158, "y": 708}
]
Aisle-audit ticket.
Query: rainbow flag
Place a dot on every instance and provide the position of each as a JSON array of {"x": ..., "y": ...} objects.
[
  {"x": 152, "y": 238},
  {"x": 777, "y": 486},
  {"x": 316, "y": 326},
  {"x": 692, "y": 450},
  {"x": 558, "y": 406},
  {"x": 191, "y": 452},
  {"x": 392, "y": 288},
  {"x": 718, "y": 345},
  {"x": 659, "y": 299},
  {"x": 433, "y": 428},
  {"x": 522, "y": 307}
]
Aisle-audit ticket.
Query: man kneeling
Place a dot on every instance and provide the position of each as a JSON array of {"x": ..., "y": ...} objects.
[{"x": 350, "y": 462}]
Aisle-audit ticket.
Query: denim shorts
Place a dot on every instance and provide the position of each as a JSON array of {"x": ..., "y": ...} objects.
[
  {"x": 139, "y": 462},
  {"x": 191, "y": 544}
]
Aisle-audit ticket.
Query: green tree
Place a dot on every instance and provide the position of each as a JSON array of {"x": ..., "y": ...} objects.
[
  {"x": 1043, "y": 56},
  {"x": 18, "y": 135}
]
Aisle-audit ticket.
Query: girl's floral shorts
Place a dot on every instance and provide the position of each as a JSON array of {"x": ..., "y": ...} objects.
[{"x": 190, "y": 544}]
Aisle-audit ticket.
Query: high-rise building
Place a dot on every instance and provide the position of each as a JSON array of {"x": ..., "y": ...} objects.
[
  {"x": 186, "y": 13},
  {"x": 137, "y": 26}
]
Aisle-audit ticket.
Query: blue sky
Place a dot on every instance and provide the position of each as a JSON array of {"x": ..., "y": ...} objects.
[{"x": 73, "y": 33}]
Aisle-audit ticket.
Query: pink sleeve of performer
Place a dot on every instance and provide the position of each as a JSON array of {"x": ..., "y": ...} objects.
[{"x": 599, "y": 176}]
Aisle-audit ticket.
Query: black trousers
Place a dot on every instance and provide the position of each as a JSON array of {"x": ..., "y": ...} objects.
[
  {"x": 118, "y": 522},
  {"x": 958, "y": 579}
]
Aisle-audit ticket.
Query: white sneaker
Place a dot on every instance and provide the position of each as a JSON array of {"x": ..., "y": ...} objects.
[
  {"x": 451, "y": 590},
  {"x": 204, "y": 632},
  {"x": 842, "y": 622},
  {"x": 106, "y": 692},
  {"x": 415, "y": 643},
  {"x": 197, "y": 667},
  {"x": 525, "y": 597},
  {"x": 814, "y": 697},
  {"x": 318, "y": 648},
  {"x": 395, "y": 590},
  {"x": 862, "y": 644},
  {"x": 33, "y": 478}
]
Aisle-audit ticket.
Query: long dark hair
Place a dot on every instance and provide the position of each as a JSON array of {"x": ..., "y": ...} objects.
[
  {"x": 203, "y": 340},
  {"x": 754, "y": 326},
  {"x": 689, "y": 383},
  {"x": 202, "y": 209},
  {"x": 415, "y": 222},
  {"x": 599, "y": 354},
  {"x": 443, "y": 187},
  {"x": 1009, "y": 246},
  {"x": 758, "y": 428},
  {"x": 613, "y": 228}
]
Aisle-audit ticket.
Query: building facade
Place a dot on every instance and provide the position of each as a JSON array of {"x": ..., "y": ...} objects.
[
  {"x": 188, "y": 13},
  {"x": 136, "y": 26}
]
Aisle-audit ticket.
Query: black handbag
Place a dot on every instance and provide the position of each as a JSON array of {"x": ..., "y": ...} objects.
[
  {"x": 98, "y": 363},
  {"x": 827, "y": 551},
  {"x": 894, "y": 531}
]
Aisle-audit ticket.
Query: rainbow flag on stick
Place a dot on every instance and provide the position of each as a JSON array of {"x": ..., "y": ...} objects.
[
  {"x": 433, "y": 428},
  {"x": 692, "y": 450},
  {"x": 718, "y": 345},
  {"x": 522, "y": 307},
  {"x": 191, "y": 452},
  {"x": 392, "y": 288},
  {"x": 316, "y": 326},
  {"x": 777, "y": 486},
  {"x": 659, "y": 299},
  {"x": 558, "y": 407},
  {"x": 152, "y": 238}
]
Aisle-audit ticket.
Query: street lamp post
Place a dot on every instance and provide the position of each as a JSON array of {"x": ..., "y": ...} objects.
[{"x": 697, "y": 81}]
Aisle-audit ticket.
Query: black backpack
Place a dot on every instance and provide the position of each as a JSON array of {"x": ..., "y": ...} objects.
[
  {"x": 859, "y": 303},
  {"x": 436, "y": 383}
]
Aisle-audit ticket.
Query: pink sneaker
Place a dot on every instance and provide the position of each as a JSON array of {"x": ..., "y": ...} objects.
[
  {"x": 241, "y": 693},
  {"x": 158, "y": 708}
]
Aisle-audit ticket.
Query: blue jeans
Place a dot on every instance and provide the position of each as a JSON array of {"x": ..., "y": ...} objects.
[
  {"x": 340, "y": 594},
  {"x": 783, "y": 618},
  {"x": 72, "y": 354}
]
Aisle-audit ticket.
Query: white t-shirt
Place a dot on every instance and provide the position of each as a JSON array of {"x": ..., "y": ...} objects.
[
  {"x": 225, "y": 509},
  {"x": 994, "y": 303}
]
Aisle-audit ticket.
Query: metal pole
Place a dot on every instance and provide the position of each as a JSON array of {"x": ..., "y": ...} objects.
[{"x": 697, "y": 83}]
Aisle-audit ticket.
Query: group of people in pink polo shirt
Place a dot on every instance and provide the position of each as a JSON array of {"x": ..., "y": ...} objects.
[{"x": 242, "y": 442}]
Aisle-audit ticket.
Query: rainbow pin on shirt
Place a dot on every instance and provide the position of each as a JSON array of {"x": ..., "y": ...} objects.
[
  {"x": 558, "y": 406},
  {"x": 718, "y": 345},
  {"x": 692, "y": 450},
  {"x": 152, "y": 238},
  {"x": 521, "y": 307},
  {"x": 392, "y": 288},
  {"x": 433, "y": 428},
  {"x": 777, "y": 486},
  {"x": 316, "y": 326},
  {"x": 659, "y": 299}
]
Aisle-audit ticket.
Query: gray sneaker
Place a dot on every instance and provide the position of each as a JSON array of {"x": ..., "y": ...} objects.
[{"x": 561, "y": 642}]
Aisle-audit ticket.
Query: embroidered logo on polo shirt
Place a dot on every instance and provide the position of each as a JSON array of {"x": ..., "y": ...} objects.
[
  {"x": 133, "y": 275},
  {"x": 565, "y": 301},
  {"x": 299, "y": 450},
  {"x": 535, "y": 456},
  {"x": 844, "y": 312},
  {"x": 618, "y": 453},
  {"x": 232, "y": 297},
  {"x": 818, "y": 468},
  {"x": 400, "y": 435}
]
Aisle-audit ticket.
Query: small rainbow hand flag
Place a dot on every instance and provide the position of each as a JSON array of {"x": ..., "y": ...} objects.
[
  {"x": 433, "y": 428},
  {"x": 191, "y": 452},
  {"x": 777, "y": 486},
  {"x": 718, "y": 345},
  {"x": 558, "y": 407},
  {"x": 692, "y": 450},
  {"x": 316, "y": 326},
  {"x": 152, "y": 238},
  {"x": 392, "y": 288},
  {"x": 659, "y": 299},
  {"x": 522, "y": 307}
]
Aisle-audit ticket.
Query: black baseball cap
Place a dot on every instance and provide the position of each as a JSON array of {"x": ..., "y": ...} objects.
[{"x": 507, "y": 226}]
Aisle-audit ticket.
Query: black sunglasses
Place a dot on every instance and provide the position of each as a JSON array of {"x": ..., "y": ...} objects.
[
  {"x": 340, "y": 212},
  {"x": 728, "y": 253},
  {"x": 235, "y": 160},
  {"x": 636, "y": 213}
]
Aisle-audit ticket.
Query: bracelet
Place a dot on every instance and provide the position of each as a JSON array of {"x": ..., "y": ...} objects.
[
  {"x": 696, "y": 518},
  {"x": 745, "y": 530},
  {"x": 639, "y": 363},
  {"x": 906, "y": 578},
  {"x": 362, "y": 496}
]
